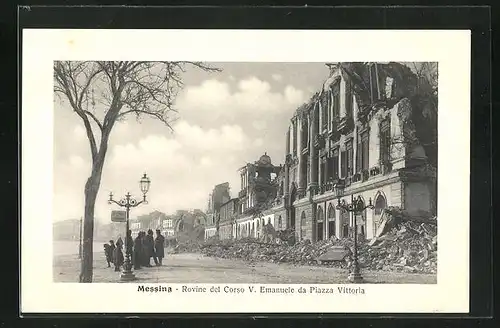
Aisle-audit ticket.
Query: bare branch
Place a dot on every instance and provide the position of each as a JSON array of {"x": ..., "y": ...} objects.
[{"x": 94, "y": 118}]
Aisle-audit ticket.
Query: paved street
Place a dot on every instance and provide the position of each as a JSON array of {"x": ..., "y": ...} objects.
[{"x": 195, "y": 268}]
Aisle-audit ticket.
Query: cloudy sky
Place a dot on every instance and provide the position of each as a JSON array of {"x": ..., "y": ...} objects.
[{"x": 226, "y": 119}]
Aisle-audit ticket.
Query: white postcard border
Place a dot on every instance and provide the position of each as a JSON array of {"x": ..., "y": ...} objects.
[{"x": 42, "y": 46}]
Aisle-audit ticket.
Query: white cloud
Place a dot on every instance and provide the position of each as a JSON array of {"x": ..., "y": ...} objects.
[
  {"x": 79, "y": 132},
  {"x": 183, "y": 168},
  {"x": 214, "y": 99},
  {"x": 77, "y": 161},
  {"x": 223, "y": 126},
  {"x": 258, "y": 142},
  {"x": 259, "y": 125},
  {"x": 277, "y": 77}
]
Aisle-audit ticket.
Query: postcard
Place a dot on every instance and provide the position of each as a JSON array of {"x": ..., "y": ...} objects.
[{"x": 245, "y": 171}]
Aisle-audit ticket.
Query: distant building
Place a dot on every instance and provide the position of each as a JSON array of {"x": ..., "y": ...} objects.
[
  {"x": 220, "y": 195},
  {"x": 168, "y": 228},
  {"x": 66, "y": 230},
  {"x": 228, "y": 214},
  {"x": 260, "y": 186}
]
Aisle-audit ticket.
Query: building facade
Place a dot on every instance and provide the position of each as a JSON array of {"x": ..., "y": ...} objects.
[
  {"x": 357, "y": 136},
  {"x": 229, "y": 212},
  {"x": 220, "y": 195},
  {"x": 260, "y": 197},
  {"x": 167, "y": 227},
  {"x": 361, "y": 134}
]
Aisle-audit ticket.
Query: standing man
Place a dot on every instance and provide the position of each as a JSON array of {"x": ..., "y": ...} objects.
[
  {"x": 159, "y": 247},
  {"x": 150, "y": 242}
]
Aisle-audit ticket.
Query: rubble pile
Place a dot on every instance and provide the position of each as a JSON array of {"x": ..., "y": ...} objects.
[
  {"x": 187, "y": 247},
  {"x": 409, "y": 247},
  {"x": 401, "y": 245}
]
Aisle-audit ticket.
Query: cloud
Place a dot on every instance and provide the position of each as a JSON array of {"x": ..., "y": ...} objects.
[
  {"x": 258, "y": 142},
  {"x": 79, "y": 132},
  {"x": 222, "y": 126},
  {"x": 277, "y": 77},
  {"x": 214, "y": 100},
  {"x": 183, "y": 168},
  {"x": 259, "y": 125}
]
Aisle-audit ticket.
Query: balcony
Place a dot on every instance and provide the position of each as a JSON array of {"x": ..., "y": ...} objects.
[
  {"x": 363, "y": 114},
  {"x": 319, "y": 141},
  {"x": 374, "y": 171},
  {"x": 356, "y": 177},
  {"x": 365, "y": 174},
  {"x": 345, "y": 125},
  {"x": 386, "y": 167}
]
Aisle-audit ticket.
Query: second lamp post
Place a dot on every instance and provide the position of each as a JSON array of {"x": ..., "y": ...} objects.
[
  {"x": 355, "y": 207},
  {"x": 129, "y": 202}
]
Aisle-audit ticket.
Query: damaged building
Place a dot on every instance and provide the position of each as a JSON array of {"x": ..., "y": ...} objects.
[
  {"x": 259, "y": 190},
  {"x": 371, "y": 131},
  {"x": 219, "y": 196},
  {"x": 359, "y": 135}
]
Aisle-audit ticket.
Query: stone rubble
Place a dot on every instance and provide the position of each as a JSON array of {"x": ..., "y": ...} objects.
[{"x": 406, "y": 246}]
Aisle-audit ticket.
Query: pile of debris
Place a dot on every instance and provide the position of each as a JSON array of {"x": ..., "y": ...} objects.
[
  {"x": 401, "y": 244},
  {"x": 187, "y": 247}
]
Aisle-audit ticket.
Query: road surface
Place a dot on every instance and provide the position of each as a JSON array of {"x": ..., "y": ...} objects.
[{"x": 196, "y": 268}]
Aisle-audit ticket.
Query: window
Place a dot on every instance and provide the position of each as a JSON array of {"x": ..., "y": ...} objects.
[
  {"x": 324, "y": 110},
  {"x": 362, "y": 152},
  {"x": 348, "y": 98},
  {"x": 343, "y": 164},
  {"x": 385, "y": 141},
  {"x": 294, "y": 137},
  {"x": 334, "y": 163},
  {"x": 359, "y": 156},
  {"x": 365, "y": 146},
  {"x": 350, "y": 158},
  {"x": 305, "y": 132},
  {"x": 336, "y": 100},
  {"x": 376, "y": 85}
]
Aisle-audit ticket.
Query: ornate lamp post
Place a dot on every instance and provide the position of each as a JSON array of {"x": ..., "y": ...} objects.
[
  {"x": 356, "y": 206},
  {"x": 129, "y": 202}
]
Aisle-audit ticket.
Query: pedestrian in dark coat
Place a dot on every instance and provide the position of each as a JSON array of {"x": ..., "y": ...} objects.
[
  {"x": 108, "y": 254},
  {"x": 118, "y": 255},
  {"x": 159, "y": 247},
  {"x": 112, "y": 246},
  {"x": 137, "y": 256},
  {"x": 144, "y": 250},
  {"x": 150, "y": 251}
]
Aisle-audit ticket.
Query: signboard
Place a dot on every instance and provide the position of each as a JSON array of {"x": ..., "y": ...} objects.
[{"x": 118, "y": 216}]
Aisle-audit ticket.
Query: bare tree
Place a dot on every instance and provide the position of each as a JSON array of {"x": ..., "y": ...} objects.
[{"x": 124, "y": 88}]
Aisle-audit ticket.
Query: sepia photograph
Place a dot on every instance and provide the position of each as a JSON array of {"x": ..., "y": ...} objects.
[{"x": 245, "y": 172}]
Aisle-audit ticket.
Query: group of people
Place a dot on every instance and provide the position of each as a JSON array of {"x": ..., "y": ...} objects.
[{"x": 141, "y": 249}]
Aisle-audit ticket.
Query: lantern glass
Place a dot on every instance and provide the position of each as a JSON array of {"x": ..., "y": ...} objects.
[{"x": 145, "y": 182}]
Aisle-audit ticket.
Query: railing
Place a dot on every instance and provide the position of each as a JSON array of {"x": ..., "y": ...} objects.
[
  {"x": 356, "y": 177},
  {"x": 365, "y": 174},
  {"x": 386, "y": 167},
  {"x": 329, "y": 186},
  {"x": 345, "y": 124},
  {"x": 374, "y": 171},
  {"x": 319, "y": 141},
  {"x": 242, "y": 193}
]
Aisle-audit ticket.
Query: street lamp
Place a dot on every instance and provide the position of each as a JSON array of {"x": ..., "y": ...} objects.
[
  {"x": 356, "y": 206},
  {"x": 128, "y": 202}
]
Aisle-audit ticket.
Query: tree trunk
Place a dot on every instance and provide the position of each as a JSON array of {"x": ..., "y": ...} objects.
[{"x": 91, "y": 191}]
